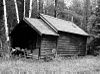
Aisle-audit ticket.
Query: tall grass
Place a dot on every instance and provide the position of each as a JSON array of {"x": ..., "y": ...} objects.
[{"x": 84, "y": 65}]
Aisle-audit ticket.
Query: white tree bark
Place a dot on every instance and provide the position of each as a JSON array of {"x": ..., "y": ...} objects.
[
  {"x": 24, "y": 9},
  {"x": 16, "y": 7},
  {"x": 72, "y": 19},
  {"x": 30, "y": 10},
  {"x": 5, "y": 20},
  {"x": 43, "y": 7},
  {"x": 38, "y": 5}
]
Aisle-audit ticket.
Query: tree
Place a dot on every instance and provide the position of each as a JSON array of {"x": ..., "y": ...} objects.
[
  {"x": 95, "y": 30},
  {"x": 11, "y": 14},
  {"x": 77, "y": 7},
  {"x": 34, "y": 9},
  {"x": 2, "y": 28},
  {"x": 20, "y": 4},
  {"x": 55, "y": 12},
  {"x": 49, "y": 8},
  {"x": 27, "y": 6},
  {"x": 86, "y": 13},
  {"x": 17, "y": 12}
]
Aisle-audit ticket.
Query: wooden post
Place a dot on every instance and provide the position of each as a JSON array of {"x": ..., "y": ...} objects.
[
  {"x": 40, "y": 48},
  {"x": 86, "y": 46}
]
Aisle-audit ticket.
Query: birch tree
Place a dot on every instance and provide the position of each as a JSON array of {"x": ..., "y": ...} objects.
[
  {"x": 2, "y": 26},
  {"x": 20, "y": 6},
  {"x": 30, "y": 10},
  {"x": 11, "y": 15},
  {"x": 6, "y": 43},
  {"x": 24, "y": 9},
  {"x": 17, "y": 14},
  {"x": 5, "y": 20}
]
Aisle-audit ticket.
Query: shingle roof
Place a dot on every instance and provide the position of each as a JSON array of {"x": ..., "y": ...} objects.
[
  {"x": 62, "y": 25},
  {"x": 40, "y": 26}
]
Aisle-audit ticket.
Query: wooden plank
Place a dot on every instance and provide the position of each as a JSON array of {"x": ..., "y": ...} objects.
[
  {"x": 67, "y": 52},
  {"x": 70, "y": 44},
  {"x": 48, "y": 43}
]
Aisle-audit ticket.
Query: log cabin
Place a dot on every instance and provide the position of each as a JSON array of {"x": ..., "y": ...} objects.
[
  {"x": 72, "y": 39},
  {"x": 46, "y": 33}
]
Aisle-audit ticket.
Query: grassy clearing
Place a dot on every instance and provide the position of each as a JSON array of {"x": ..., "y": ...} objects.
[{"x": 85, "y": 65}]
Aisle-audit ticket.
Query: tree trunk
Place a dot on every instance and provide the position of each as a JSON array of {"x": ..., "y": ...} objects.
[
  {"x": 30, "y": 9},
  {"x": 5, "y": 20},
  {"x": 86, "y": 14},
  {"x": 20, "y": 5},
  {"x": 2, "y": 26},
  {"x": 17, "y": 14},
  {"x": 55, "y": 11}
]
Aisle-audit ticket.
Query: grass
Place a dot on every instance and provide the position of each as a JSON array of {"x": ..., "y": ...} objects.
[{"x": 81, "y": 65}]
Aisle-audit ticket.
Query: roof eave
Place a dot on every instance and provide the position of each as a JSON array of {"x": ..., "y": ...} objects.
[
  {"x": 32, "y": 26},
  {"x": 51, "y": 34},
  {"x": 87, "y": 35}
]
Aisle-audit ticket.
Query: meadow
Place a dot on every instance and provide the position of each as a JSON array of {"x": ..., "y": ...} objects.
[{"x": 80, "y": 65}]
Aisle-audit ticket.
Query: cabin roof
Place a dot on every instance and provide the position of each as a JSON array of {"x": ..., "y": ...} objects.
[
  {"x": 62, "y": 25},
  {"x": 40, "y": 26}
]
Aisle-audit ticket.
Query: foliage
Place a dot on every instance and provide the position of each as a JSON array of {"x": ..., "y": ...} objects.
[
  {"x": 77, "y": 7},
  {"x": 34, "y": 9},
  {"x": 20, "y": 4},
  {"x": 27, "y": 8},
  {"x": 50, "y": 8},
  {"x": 2, "y": 29},
  {"x": 91, "y": 23},
  {"x": 94, "y": 22}
]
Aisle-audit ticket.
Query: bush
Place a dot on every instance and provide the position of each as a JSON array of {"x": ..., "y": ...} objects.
[{"x": 94, "y": 47}]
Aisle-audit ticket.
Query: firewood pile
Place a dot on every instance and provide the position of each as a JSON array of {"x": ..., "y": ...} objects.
[
  {"x": 49, "y": 56},
  {"x": 20, "y": 53}
]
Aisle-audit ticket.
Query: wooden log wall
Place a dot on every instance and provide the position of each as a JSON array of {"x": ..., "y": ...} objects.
[
  {"x": 48, "y": 43},
  {"x": 71, "y": 44}
]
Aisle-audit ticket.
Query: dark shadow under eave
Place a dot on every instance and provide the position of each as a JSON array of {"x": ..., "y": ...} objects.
[{"x": 23, "y": 36}]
